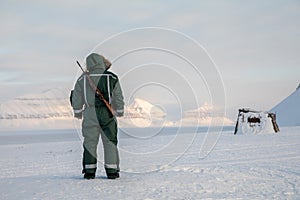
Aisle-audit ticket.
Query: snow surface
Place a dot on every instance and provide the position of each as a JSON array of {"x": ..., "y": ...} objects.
[{"x": 47, "y": 165}]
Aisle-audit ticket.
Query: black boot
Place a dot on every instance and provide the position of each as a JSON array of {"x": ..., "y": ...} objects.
[
  {"x": 113, "y": 175},
  {"x": 89, "y": 175}
]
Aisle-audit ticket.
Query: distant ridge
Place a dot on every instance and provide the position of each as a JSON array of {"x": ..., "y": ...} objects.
[{"x": 49, "y": 109}]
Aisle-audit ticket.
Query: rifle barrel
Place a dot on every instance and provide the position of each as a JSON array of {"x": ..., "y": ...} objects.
[{"x": 79, "y": 66}]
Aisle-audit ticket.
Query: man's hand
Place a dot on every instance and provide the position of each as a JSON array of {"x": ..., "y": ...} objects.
[
  {"x": 118, "y": 113},
  {"x": 78, "y": 115}
]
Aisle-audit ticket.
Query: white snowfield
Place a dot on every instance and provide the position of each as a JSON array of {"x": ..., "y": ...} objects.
[{"x": 47, "y": 165}]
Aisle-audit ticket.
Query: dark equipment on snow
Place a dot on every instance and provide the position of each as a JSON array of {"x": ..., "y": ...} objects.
[{"x": 254, "y": 121}]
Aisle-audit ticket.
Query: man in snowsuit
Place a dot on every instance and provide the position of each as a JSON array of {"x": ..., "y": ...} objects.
[{"x": 97, "y": 119}]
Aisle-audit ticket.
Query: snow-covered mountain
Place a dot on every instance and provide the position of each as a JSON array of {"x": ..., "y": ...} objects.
[
  {"x": 288, "y": 110},
  {"x": 144, "y": 114},
  {"x": 47, "y": 110},
  {"x": 141, "y": 113}
]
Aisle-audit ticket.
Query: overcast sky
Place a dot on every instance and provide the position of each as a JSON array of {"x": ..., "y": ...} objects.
[{"x": 255, "y": 44}]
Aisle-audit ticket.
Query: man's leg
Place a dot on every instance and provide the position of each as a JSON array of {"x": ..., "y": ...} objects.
[
  {"x": 111, "y": 153},
  {"x": 91, "y": 138}
]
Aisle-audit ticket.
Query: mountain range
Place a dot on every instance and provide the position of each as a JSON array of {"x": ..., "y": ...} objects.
[{"x": 51, "y": 110}]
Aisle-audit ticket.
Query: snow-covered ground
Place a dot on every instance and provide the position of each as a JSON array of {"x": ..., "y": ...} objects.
[{"x": 47, "y": 165}]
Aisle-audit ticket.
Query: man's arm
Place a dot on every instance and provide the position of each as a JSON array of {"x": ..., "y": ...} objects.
[
  {"x": 77, "y": 100},
  {"x": 118, "y": 100}
]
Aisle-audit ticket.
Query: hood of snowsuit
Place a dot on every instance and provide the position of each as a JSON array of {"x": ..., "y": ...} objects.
[{"x": 96, "y": 63}]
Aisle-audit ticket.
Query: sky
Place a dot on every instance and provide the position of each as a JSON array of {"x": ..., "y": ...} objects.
[{"x": 253, "y": 46}]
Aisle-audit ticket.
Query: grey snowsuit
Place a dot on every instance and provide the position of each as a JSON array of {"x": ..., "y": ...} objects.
[{"x": 97, "y": 120}]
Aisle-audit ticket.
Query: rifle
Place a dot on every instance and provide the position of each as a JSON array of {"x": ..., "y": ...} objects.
[{"x": 95, "y": 88}]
